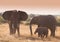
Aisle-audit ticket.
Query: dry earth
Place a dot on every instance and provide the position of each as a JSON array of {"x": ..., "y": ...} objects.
[{"x": 25, "y": 35}]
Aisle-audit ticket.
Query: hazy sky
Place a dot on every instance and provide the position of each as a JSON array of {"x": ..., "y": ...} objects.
[{"x": 32, "y": 6}]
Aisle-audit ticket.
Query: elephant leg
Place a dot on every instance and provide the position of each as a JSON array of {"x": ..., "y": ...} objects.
[
  {"x": 38, "y": 35},
  {"x": 53, "y": 32},
  {"x": 31, "y": 29},
  {"x": 14, "y": 29},
  {"x": 10, "y": 28},
  {"x": 18, "y": 30}
]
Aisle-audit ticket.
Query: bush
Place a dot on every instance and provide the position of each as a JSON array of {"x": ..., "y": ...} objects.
[
  {"x": 58, "y": 24},
  {"x": 2, "y": 20}
]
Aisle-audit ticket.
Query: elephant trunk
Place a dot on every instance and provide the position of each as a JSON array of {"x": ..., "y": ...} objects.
[{"x": 31, "y": 29}]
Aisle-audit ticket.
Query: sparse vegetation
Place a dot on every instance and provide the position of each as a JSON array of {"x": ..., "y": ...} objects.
[
  {"x": 2, "y": 20},
  {"x": 27, "y": 22},
  {"x": 58, "y": 20}
]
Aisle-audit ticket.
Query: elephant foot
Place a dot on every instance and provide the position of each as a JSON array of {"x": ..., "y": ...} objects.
[
  {"x": 18, "y": 35},
  {"x": 52, "y": 35},
  {"x": 14, "y": 32},
  {"x": 11, "y": 33},
  {"x": 31, "y": 34}
]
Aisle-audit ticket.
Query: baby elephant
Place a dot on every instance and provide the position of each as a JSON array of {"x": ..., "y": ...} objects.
[{"x": 42, "y": 32}]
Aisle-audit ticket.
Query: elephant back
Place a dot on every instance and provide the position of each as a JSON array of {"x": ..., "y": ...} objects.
[
  {"x": 52, "y": 20},
  {"x": 47, "y": 20},
  {"x": 43, "y": 21}
]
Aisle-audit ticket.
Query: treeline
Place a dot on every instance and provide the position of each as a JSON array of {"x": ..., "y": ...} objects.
[{"x": 30, "y": 16}]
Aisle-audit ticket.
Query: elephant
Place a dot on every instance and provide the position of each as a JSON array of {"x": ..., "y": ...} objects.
[
  {"x": 14, "y": 19},
  {"x": 44, "y": 21},
  {"x": 42, "y": 32}
]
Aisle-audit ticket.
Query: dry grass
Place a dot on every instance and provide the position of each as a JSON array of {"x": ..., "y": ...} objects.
[{"x": 25, "y": 35}]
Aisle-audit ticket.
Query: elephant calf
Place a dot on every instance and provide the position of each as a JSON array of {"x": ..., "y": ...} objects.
[{"x": 42, "y": 31}]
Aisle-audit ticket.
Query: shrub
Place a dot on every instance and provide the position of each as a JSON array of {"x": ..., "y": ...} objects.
[{"x": 2, "y": 20}]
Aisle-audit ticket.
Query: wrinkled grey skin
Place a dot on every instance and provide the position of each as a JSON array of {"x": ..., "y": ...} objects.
[
  {"x": 44, "y": 21},
  {"x": 14, "y": 18},
  {"x": 42, "y": 32}
]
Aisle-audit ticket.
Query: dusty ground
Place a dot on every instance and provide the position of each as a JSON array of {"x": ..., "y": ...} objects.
[{"x": 25, "y": 35}]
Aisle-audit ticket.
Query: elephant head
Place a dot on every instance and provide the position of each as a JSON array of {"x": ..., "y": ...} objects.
[
  {"x": 34, "y": 20},
  {"x": 7, "y": 15},
  {"x": 14, "y": 17}
]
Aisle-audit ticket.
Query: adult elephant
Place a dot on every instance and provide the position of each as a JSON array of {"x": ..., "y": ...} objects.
[
  {"x": 14, "y": 18},
  {"x": 44, "y": 21}
]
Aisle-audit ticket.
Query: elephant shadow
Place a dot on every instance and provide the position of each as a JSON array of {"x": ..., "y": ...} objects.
[
  {"x": 57, "y": 37},
  {"x": 33, "y": 38},
  {"x": 22, "y": 37}
]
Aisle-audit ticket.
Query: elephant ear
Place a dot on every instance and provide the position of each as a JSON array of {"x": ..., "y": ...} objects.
[
  {"x": 23, "y": 15},
  {"x": 6, "y": 15}
]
